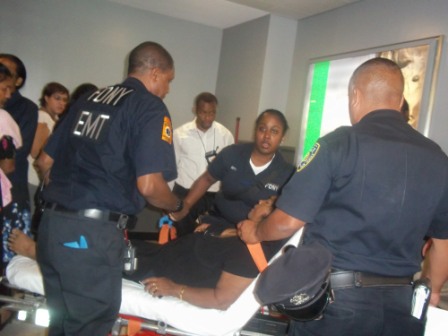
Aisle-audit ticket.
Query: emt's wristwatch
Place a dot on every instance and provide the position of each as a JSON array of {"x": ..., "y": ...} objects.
[{"x": 179, "y": 205}]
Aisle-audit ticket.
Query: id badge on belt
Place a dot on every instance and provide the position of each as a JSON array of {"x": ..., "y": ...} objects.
[
  {"x": 420, "y": 298},
  {"x": 130, "y": 258}
]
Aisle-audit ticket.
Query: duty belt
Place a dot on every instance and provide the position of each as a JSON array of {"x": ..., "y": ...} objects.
[
  {"x": 123, "y": 221},
  {"x": 350, "y": 279}
]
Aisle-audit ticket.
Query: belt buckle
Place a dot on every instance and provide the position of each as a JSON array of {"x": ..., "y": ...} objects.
[
  {"x": 357, "y": 279},
  {"x": 122, "y": 221},
  {"x": 92, "y": 213}
]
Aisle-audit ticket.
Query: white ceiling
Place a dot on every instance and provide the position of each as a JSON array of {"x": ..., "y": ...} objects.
[{"x": 228, "y": 13}]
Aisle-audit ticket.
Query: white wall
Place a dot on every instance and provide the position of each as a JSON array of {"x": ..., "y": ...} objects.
[
  {"x": 240, "y": 74},
  {"x": 278, "y": 63},
  {"x": 88, "y": 41},
  {"x": 255, "y": 70},
  {"x": 366, "y": 24}
]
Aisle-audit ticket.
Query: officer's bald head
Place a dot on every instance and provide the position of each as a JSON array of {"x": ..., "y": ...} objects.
[
  {"x": 149, "y": 55},
  {"x": 376, "y": 84}
]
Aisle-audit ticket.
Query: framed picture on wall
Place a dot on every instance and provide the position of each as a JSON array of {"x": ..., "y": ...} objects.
[{"x": 326, "y": 98}]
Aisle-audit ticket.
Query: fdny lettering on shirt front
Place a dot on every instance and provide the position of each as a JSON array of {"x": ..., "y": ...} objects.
[
  {"x": 110, "y": 95},
  {"x": 271, "y": 186},
  {"x": 90, "y": 125}
]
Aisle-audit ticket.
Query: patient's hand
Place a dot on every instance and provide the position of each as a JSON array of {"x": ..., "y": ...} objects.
[
  {"x": 202, "y": 227},
  {"x": 160, "y": 287},
  {"x": 228, "y": 233},
  {"x": 261, "y": 210}
]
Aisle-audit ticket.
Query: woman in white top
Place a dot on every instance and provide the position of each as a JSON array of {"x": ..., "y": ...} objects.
[{"x": 53, "y": 103}]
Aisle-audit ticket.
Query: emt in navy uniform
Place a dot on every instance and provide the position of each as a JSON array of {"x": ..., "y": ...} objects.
[
  {"x": 248, "y": 172},
  {"x": 370, "y": 193},
  {"x": 111, "y": 155}
]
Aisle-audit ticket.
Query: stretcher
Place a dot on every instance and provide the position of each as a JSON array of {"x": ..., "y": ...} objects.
[{"x": 171, "y": 316}]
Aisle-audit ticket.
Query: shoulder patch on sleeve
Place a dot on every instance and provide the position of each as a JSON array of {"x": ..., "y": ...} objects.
[
  {"x": 309, "y": 157},
  {"x": 167, "y": 130}
]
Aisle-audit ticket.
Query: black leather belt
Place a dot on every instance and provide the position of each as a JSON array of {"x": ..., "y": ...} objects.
[
  {"x": 123, "y": 221},
  {"x": 350, "y": 279}
]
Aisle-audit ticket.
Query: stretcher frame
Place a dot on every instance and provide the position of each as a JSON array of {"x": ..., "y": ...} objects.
[
  {"x": 230, "y": 322},
  {"x": 436, "y": 325}
]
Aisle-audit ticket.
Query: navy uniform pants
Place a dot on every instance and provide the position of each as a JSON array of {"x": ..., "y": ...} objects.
[
  {"x": 372, "y": 311},
  {"x": 81, "y": 260}
]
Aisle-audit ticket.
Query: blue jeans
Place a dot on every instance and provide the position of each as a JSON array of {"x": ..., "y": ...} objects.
[{"x": 372, "y": 311}]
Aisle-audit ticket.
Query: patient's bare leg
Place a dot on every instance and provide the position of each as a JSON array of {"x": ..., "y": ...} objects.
[{"x": 22, "y": 244}]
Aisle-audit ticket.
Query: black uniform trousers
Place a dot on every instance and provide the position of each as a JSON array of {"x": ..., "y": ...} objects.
[
  {"x": 202, "y": 206},
  {"x": 373, "y": 311},
  {"x": 81, "y": 260}
]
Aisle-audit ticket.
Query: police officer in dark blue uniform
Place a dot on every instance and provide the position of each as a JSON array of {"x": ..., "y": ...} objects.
[
  {"x": 111, "y": 155},
  {"x": 370, "y": 193}
]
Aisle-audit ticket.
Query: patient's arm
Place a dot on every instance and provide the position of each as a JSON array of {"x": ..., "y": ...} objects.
[{"x": 226, "y": 292}]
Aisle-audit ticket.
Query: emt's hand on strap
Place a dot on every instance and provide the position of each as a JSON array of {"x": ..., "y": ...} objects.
[
  {"x": 246, "y": 229},
  {"x": 197, "y": 190},
  {"x": 277, "y": 225}
]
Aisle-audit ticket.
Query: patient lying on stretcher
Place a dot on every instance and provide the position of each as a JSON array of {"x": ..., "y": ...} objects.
[{"x": 201, "y": 269}]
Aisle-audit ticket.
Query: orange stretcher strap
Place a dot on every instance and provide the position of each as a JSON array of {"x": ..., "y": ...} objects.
[
  {"x": 167, "y": 230},
  {"x": 134, "y": 327},
  {"x": 258, "y": 256},
  {"x": 163, "y": 234}
]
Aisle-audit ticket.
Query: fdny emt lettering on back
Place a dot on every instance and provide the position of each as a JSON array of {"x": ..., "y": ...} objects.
[{"x": 109, "y": 156}]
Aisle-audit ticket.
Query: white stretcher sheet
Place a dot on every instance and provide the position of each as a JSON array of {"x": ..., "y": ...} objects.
[{"x": 24, "y": 273}]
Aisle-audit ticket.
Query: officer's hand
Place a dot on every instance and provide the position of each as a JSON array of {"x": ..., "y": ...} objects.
[
  {"x": 435, "y": 299},
  {"x": 247, "y": 231}
]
